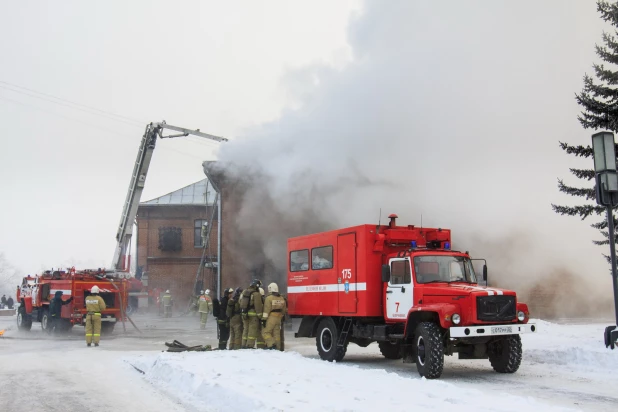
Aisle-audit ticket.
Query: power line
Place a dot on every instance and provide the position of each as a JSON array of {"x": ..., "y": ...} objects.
[
  {"x": 124, "y": 135},
  {"x": 69, "y": 103}
]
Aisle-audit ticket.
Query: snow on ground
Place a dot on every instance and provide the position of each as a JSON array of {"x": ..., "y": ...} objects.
[
  {"x": 565, "y": 367},
  {"x": 244, "y": 380}
]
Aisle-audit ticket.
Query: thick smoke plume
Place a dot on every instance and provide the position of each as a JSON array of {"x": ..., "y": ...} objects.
[{"x": 448, "y": 114}]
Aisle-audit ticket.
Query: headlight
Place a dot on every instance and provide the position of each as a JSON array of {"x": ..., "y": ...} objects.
[
  {"x": 521, "y": 316},
  {"x": 456, "y": 319}
]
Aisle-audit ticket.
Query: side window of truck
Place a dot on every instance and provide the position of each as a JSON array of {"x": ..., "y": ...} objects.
[
  {"x": 299, "y": 260},
  {"x": 400, "y": 272},
  {"x": 322, "y": 258}
]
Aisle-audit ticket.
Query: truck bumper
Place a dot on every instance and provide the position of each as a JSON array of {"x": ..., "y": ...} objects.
[{"x": 492, "y": 330}]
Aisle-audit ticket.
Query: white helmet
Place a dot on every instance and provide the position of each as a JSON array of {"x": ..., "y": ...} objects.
[
  {"x": 167, "y": 291},
  {"x": 273, "y": 288},
  {"x": 261, "y": 291},
  {"x": 95, "y": 289},
  {"x": 207, "y": 291}
]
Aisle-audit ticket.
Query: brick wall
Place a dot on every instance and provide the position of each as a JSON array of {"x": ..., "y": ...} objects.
[{"x": 174, "y": 270}]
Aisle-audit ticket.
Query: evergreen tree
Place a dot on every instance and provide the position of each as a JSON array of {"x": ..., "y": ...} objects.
[{"x": 600, "y": 112}]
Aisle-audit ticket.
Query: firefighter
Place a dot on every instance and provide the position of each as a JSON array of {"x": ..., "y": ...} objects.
[
  {"x": 234, "y": 315},
  {"x": 94, "y": 306},
  {"x": 55, "y": 307},
  {"x": 167, "y": 304},
  {"x": 223, "y": 321},
  {"x": 251, "y": 307},
  {"x": 274, "y": 311},
  {"x": 205, "y": 308},
  {"x": 259, "y": 342}
]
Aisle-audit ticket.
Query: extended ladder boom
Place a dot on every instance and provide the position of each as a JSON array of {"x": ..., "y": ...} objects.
[{"x": 138, "y": 179}]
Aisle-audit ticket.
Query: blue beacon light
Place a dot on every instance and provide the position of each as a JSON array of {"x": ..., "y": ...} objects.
[
  {"x": 413, "y": 244},
  {"x": 447, "y": 245}
]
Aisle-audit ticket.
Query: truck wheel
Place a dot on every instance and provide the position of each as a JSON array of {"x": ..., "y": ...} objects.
[
  {"x": 326, "y": 341},
  {"x": 429, "y": 350},
  {"x": 505, "y": 354},
  {"x": 45, "y": 321},
  {"x": 107, "y": 327},
  {"x": 24, "y": 321},
  {"x": 390, "y": 350}
]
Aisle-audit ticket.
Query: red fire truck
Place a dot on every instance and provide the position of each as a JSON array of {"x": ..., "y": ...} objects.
[
  {"x": 36, "y": 292},
  {"x": 404, "y": 287}
]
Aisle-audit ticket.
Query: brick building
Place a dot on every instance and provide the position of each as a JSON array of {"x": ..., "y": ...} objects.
[{"x": 170, "y": 244}]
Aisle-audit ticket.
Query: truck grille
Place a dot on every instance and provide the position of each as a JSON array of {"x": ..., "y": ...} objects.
[{"x": 495, "y": 308}]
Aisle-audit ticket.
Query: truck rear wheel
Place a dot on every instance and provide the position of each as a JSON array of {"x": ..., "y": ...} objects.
[
  {"x": 46, "y": 321},
  {"x": 505, "y": 354},
  {"x": 429, "y": 350},
  {"x": 390, "y": 350},
  {"x": 24, "y": 321},
  {"x": 326, "y": 341}
]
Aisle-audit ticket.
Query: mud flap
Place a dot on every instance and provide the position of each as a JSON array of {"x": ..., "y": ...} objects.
[{"x": 409, "y": 355}]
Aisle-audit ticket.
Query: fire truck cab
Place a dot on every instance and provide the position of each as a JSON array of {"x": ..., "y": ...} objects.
[
  {"x": 35, "y": 293},
  {"x": 406, "y": 289}
]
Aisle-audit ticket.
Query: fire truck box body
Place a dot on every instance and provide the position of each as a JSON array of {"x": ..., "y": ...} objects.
[{"x": 403, "y": 287}]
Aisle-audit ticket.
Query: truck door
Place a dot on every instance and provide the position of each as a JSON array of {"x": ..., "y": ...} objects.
[
  {"x": 399, "y": 290},
  {"x": 346, "y": 272}
]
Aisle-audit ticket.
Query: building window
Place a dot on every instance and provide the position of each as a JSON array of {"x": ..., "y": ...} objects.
[
  {"x": 322, "y": 258},
  {"x": 197, "y": 232},
  {"x": 299, "y": 260},
  {"x": 170, "y": 239}
]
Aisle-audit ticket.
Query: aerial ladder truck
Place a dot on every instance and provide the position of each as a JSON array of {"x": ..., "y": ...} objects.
[{"x": 138, "y": 179}]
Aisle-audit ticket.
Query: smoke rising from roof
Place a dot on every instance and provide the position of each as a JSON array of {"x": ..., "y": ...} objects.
[{"x": 449, "y": 111}]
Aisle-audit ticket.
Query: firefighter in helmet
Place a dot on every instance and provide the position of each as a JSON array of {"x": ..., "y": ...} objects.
[
  {"x": 223, "y": 321},
  {"x": 259, "y": 342},
  {"x": 251, "y": 307},
  {"x": 234, "y": 315},
  {"x": 205, "y": 308},
  {"x": 94, "y": 306},
  {"x": 167, "y": 304},
  {"x": 274, "y": 311}
]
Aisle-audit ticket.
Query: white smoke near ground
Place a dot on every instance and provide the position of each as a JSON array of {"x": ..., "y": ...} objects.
[{"x": 449, "y": 110}]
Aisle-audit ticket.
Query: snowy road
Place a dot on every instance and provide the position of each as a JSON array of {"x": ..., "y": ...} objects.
[{"x": 565, "y": 366}]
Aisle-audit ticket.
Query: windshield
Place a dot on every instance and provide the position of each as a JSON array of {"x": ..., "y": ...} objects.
[{"x": 440, "y": 268}]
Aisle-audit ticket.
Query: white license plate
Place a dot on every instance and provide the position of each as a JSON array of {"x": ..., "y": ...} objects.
[{"x": 502, "y": 329}]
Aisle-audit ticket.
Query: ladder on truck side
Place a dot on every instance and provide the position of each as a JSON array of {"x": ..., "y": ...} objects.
[{"x": 136, "y": 186}]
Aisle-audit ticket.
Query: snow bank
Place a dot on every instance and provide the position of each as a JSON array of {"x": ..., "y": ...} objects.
[
  {"x": 574, "y": 347},
  {"x": 270, "y": 380}
]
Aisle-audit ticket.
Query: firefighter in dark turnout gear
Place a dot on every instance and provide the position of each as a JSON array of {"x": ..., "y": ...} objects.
[
  {"x": 223, "y": 321},
  {"x": 55, "y": 308},
  {"x": 234, "y": 315},
  {"x": 251, "y": 307},
  {"x": 94, "y": 305}
]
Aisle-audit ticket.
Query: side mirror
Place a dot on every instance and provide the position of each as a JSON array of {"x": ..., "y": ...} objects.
[
  {"x": 485, "y": 273},
  {"x": 386, "y": 273}
]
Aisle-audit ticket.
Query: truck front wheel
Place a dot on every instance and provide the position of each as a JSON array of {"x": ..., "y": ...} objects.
[
  {"x": 24, "y": 321},
  {"x": 505, "y": 354},
  {"x": 390, "y": 350},
  {"x": 429, "y": 350},
  {"x": 326, "y": 341}
]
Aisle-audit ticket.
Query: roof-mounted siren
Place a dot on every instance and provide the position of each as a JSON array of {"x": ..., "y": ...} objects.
[{"x": 393, "y": 217}]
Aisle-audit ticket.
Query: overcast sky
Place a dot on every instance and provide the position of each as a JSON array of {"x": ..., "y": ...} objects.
[{"x": 452, "y": 110}]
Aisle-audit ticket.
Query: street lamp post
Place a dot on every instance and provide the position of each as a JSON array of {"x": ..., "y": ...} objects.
[{"x": 606, "y": 178}]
